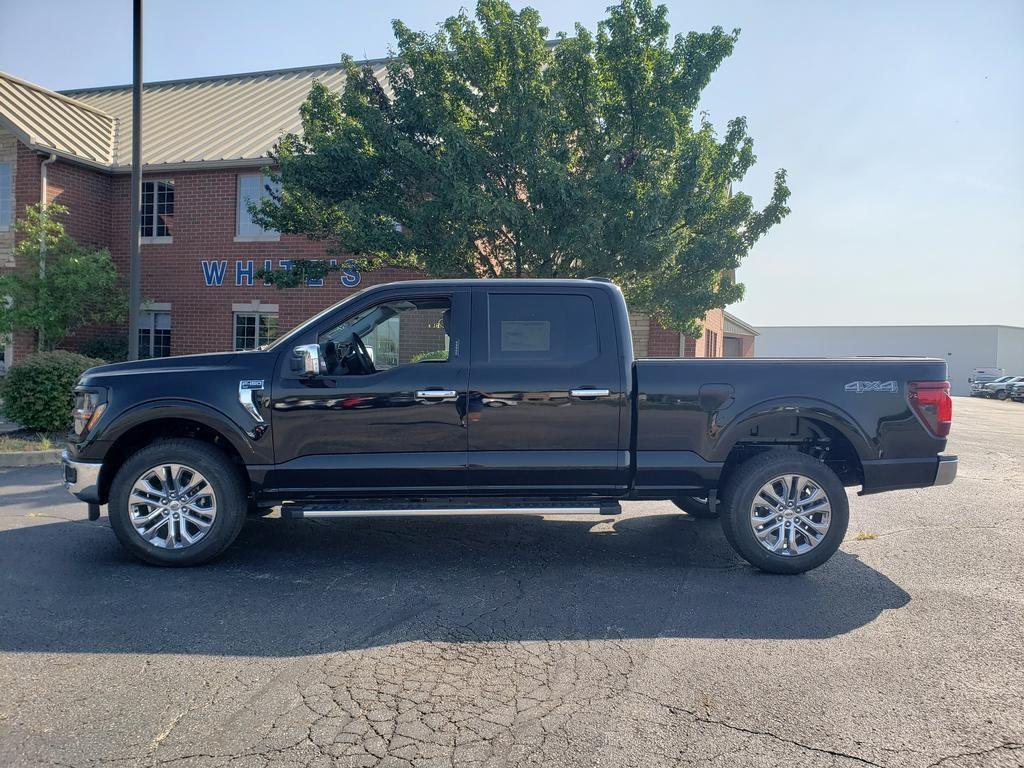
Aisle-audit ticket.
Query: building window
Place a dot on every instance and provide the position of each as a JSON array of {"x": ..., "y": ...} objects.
[
  {"x": 6, "y": 353},
  {"x": 154, "y": 334},
  {"x": 252, "y": 190},
  {"x": 254, "y": 329},
  {"x": 5, "y": 197},
  {"x": 710, "y": 344},
  {"x": 157, "y": 209}
]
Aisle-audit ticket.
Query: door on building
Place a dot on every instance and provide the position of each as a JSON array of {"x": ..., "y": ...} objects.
[
  {"x": 389, "y": 410},
  {"x": 546, "y": 392},
  {"x": 732, "y": 347}
]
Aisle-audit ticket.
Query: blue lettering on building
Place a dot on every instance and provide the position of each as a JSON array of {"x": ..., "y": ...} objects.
[
  {"x": 244, "y": 272},
  {"x": 319, "y": 282},
  {"x": 350, "y": 276},
  {"x": 214, "y": 271}
]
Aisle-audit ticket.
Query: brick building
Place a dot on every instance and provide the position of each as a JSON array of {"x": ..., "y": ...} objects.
[{"x": 206, "y": 144}]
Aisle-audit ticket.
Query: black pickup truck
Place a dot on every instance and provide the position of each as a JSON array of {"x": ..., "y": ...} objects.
[{"x": 497, "y": 396}]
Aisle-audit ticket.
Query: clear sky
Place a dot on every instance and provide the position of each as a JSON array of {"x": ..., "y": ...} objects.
[{"x": 901, "y": 125}]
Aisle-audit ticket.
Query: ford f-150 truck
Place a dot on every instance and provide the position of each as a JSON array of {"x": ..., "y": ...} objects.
[{"x": 497, "y": 396}]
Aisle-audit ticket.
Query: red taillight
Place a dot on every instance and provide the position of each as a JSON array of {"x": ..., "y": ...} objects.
[{"x": 932, "y": 404}]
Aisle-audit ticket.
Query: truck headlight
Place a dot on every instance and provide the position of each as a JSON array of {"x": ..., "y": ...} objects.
[{"x": 89, "y": 406}]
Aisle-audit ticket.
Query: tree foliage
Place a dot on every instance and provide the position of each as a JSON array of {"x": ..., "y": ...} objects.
[
  {"x": 299, "y": 272},
  {"x": 78, "y": 286},
  {"x": 487, "y": 151}
]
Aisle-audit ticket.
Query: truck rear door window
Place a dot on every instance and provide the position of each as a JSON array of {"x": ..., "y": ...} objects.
[{"x": 535, "y": 327}]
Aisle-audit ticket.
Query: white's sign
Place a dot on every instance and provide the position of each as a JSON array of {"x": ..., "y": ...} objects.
[{"x": 244, "y": 273}]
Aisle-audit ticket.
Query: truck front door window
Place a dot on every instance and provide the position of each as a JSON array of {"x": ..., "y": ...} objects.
[{"x": 389, "y": 335}]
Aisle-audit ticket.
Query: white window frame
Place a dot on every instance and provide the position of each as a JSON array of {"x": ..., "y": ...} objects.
[
  {"x": 252, "y": 309},
  {"x": 156, "y": 239},
  {"x": 147, "y": 322},
  {"x": 6, "y": 196},
  {"x": 242, "y": 210}
]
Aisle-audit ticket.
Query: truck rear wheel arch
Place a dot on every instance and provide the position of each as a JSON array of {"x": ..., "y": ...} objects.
[
  {"x": 148, "y": 432},
  {"x": 812, "y": 436}
]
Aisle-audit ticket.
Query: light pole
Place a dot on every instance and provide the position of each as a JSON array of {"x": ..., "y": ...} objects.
[{"x": 134, "y": 268}]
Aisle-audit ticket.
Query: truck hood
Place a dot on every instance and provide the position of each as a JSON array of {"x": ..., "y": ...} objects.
[{"x": 162, "y": 366}]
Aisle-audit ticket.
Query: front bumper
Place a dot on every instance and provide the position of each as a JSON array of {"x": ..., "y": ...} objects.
[
  {"x": 81, "y": 478},
  {"x": 946, "y": 472}
]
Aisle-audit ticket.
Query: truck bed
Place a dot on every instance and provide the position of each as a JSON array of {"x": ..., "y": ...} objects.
[{"x": 690, "y": 413}]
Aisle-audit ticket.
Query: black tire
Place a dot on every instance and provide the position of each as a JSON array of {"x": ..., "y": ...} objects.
[
  {"x": 744, "y": 484},
  {"x": 1001, "y": 394},
  {"x": 696, "y": 506},
  {"x": 222, "y": 475}
]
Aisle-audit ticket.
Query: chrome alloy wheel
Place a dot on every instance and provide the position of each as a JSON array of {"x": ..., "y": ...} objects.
[
  {"x": 172, "y": 506},
  {"x": 790, "y": 515}
]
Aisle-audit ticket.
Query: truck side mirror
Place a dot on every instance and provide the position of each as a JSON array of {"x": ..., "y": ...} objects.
[{"x": 307, "y": 360}]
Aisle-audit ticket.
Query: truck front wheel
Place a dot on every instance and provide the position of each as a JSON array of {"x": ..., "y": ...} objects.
[
  {"x": 177, "y": 502},
  {"x": 696, "y": 506},
  {"x": 784, "y": 512}
]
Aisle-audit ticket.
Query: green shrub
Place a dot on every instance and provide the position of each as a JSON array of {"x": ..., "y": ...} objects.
[
  {"x": 37, "y": 391},
  {"x": 113, "y": 349},
  {"x": 440, "y": 354}
]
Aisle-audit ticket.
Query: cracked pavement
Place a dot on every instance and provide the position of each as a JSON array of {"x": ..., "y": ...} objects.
[{"x": 633, "y": 641}]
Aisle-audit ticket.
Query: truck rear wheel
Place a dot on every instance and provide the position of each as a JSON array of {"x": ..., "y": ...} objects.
[
  {"x": 177, "y": 502},
  {"x": 784, "y": 512},
  {"x": 696, "y": 506}
]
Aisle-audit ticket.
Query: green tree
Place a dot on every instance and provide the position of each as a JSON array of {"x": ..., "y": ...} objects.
[
  {"x": 488, "y": 151},
  {"x": 61, "y": 285}
]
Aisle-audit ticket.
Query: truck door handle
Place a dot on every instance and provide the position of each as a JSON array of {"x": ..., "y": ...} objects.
[
  {"x": 435, "y": 394},
  {"x": 589, "y": 392}
]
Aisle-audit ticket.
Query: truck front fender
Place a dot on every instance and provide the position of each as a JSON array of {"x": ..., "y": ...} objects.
[{"x": 253, "y": 448}]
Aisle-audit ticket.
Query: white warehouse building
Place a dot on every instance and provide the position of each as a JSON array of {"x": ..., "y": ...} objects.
[{"x": 963, "y": 347}]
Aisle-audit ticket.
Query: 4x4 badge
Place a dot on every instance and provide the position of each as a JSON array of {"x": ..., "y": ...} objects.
[{"x": 861, "y": 387}]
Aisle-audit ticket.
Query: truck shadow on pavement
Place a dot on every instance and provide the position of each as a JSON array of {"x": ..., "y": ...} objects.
[{"x": 290, "y": 588}]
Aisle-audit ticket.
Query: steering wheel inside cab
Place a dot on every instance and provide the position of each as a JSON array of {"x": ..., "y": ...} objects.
[{"x": 356, "y": 360}]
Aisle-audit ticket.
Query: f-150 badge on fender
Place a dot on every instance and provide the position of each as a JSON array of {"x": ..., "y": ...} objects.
[
  {"x": 860, "y": 387},
  {"x": 246, "y": 388}
]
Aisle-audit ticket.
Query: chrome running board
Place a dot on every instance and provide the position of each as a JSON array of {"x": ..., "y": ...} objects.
[{"x": 302, "y": 511}]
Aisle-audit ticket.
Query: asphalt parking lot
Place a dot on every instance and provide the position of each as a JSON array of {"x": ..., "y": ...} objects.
[{"x": 640, "y": 641}]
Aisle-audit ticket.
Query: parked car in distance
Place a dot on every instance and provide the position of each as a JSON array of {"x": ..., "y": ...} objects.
[
  {"x": 978, "y": 385},
  {"x": 1016, "y": 392},
  {"x": 999, "y": 389},
  {"x": 985, "y": 375},
  {"x": 497, "y": 397}
]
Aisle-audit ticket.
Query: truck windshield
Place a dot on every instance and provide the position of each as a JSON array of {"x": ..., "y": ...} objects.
[{"x": 283, "y": 340}]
